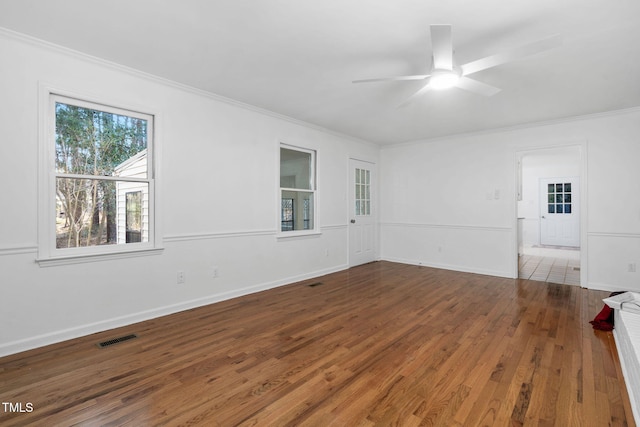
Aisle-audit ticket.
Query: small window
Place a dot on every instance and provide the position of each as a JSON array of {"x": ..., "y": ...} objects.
[
  {"x": 101, "y": 180},
  {"x": 133, "y": 217},
  {"x": 287, "y": 215},
  {"x": 363, "y": 192},
  {"x": 297, "y": 189},
  {"x": 559, "y": 198}
]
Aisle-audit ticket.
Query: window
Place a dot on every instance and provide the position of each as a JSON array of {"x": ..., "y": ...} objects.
[
  {"x": 559, "y": 198},
  {"x": 100, "y": 185},
  {"x": 287, "y": 215},
  {"x": 363, "y": 192},
  {"x": 297, "y": 189},
  {"x": 133, "y": 217}
]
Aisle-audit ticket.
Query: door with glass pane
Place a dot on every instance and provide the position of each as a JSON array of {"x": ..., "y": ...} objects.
[
  {"x": 559, "y": 212},
  {"x": 362, "y": 214}
]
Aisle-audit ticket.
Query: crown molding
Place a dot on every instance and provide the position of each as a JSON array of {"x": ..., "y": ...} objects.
[
  {"x": 34, "y": 41},
  {"x": 522, "y": 126}
]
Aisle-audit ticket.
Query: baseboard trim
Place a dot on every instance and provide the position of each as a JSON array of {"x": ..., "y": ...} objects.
[
  {"x": 462, "y": 269},
  {"x": 627, "y": 366},
  {"x": 54, "y": 337},
  {"x": 604, "y": 287}
]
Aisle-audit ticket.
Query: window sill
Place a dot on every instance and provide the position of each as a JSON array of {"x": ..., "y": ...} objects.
[
  {"x": 78, "y": 259},
  {"x": 297, "y": 234}
]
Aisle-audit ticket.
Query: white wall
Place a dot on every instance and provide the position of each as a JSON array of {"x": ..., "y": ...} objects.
[
  {"x": 451, "y": 202},
  {"x": 217, "y": 194}
]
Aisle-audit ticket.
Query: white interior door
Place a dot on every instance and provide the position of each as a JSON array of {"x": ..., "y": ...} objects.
[
  {"x": 559, "y": 212},
  {"x": 362, "y": 213}
]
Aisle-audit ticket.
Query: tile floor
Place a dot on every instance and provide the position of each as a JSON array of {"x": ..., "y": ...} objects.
[{"x": 554, "y": 266}]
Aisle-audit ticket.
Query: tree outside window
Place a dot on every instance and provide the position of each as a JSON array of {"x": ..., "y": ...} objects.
[{"x": 95, "y": 149}]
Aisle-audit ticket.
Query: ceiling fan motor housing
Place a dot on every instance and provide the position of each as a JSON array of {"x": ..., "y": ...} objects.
[{"x": 444, "y": 79}]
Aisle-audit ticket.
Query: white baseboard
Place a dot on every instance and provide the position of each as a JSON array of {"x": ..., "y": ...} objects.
[
  {"x": 462, "y": 269},
  {"x": 603, "y": 287},
  {"x": 627, "y": 331},
  {"x": 37, "y": 341}
]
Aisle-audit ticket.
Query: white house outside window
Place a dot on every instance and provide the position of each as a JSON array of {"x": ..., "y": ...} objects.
[{"x": 100, "y": 181}]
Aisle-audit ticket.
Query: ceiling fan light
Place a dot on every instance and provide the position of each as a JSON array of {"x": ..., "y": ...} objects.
[{"x": 444, "y": 80}]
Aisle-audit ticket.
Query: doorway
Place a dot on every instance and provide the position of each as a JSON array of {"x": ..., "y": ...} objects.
[{"x": 548, "y": 215}]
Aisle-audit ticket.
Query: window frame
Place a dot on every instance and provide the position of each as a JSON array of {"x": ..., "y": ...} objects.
[
  {"x": 313, "y": 176},
  {"x": 48, "y": 253}
]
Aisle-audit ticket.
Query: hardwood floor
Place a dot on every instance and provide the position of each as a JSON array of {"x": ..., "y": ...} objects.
[{"x": 379, "y": 344}]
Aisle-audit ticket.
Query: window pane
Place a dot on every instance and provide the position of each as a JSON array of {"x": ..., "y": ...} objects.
[
  {"x": 567, "y": 198},
  {"x": 559, "y": 198},
  {"x": 297, "y": 210},
  {"x": 567, "y": 209},
  {"x": 93, "y": 142},
  {"x": 286, "y": 214},
  {"x": 306, "y": 214},
  {"x": 295, "y": 169},
  {"x": 558, "y": 208},
  {"x": 567, "y": 187},
  {"x": 558, "y": 188},
  {"x": 133, "y": 216},
  {"x": 362, "y": 194},
  {"x": 95, "y": 212},
  {"x": 551, "y": 188},
  {"x": 551, "y": 199},
  {"x": 552, "y": 208}
]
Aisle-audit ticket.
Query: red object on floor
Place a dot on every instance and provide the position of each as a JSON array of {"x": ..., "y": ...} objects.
[{"x": 604, "y": 320}]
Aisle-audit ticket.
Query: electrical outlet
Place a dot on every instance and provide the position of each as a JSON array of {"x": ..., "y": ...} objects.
[
  {"x": 181, "y": 277},
  {"x": 632, "y": 267},
  {"x": 214, "y": 271}
]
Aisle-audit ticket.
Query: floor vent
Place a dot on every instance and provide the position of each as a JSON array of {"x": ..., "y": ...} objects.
[
  {"x": 313, "y": 285},
  {"x": 116, "y": 340}
]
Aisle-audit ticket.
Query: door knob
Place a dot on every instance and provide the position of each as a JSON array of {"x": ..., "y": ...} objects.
[{"x": 353, "y": 221}]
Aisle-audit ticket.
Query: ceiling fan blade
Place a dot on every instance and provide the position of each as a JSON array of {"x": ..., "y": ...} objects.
[
  {"x": 399, "y": 78},
  {"x": 476, "y": 87},
  {"x": 413, "y": 97},
  {"x": 442, "y": 46},
  {"x": 512, "y": 55}
]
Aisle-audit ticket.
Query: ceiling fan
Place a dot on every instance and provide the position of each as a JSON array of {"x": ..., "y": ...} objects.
[{"x": 445, "y": 74}]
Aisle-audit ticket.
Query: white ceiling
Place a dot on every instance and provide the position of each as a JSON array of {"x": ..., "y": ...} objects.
[{"x": 298, "y": 57}]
